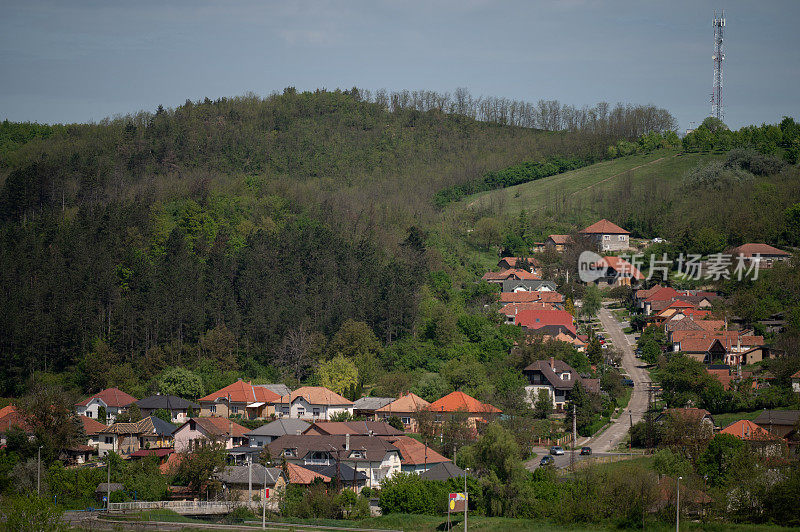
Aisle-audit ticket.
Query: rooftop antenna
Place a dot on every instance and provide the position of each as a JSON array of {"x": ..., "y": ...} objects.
[{"x": 718, "y": 58}]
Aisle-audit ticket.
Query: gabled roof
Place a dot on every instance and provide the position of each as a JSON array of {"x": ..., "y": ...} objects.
[
  {"x": 536, "y": 319},
  {"x": 461, "y": 402},
  {"x": 218, "y": 427},
  {"x": 409, "y": 402},
  {"x": 167, "y": 402},
  {"x": 621, "y": 266},
  {"x": 604, "y": 227},
  {"x": 360, "y": 428},
  {"x": 280, "y": 427},
  {"x": 512, "y": 261},
  {"x": 161, "y": 452},
  {"x": 749, "y": 250},
  {"x": 512, "y": 273},
  {"x": 280, "y": 389},
  {"x": 7, "y": 410},
  {"x": 795, "y": 376},
  {"x": 315, "y": 395},
  {"x": 664, "y": 293},
  {"x": 443, "y": 471},
  {"x": 414, "y": 452},
  {"x": 373, "y": 447},
  {"x": 747, "y": 430},
  {"x": 13, "y": 418},
  {"x": 686, "y": 413},
  {"x": 343, "y": 471},
  {"x": 148, "y": 425},
  {"x": 512, "y": 309},
  {"x": 560, "y": 240},
  {"x": 644, "y": 293},
  {"x": 550, "y": 368},
  {"x": 111, "y": 397},
  {"x": 242, "y": 392},
  {"x": 91, "y": 427},
  {"x": 371, "y": 403}
]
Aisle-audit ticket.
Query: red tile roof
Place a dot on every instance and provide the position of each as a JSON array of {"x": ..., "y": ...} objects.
[
  {"x": 461, "y": 402},
  {"x": 604, "y": 227},
  {"x": 512, "y": 309},
  {"x": 243, "y": 392},
  {"x": 219, "y": 426},
  {"x": 747, "y": 430},
  {"x": 621, "y": 266},
  {"x": 749, "y": 250},
  {"x": 315, "y": 395},
  {"x": 13, "y": 418},
  {"x": 551, "y": 297},
  {"x": 111, "y": 397},
  {"x": 301, "y": 475},
  {"x": 536, "y": 319},
  {"x": 91, "y": 426},
  {"x": 665, "y": 293},
  {"x": 522, "y": 275},
  {"x": 560, "y": 240},
  {"x": 512, "y": 261},
  {"x": 162, "y": 452},
  {"x": 7, "y": 410}
]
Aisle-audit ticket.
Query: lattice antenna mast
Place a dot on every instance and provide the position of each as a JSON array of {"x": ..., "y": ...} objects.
[{"x": 718, "y": 57}]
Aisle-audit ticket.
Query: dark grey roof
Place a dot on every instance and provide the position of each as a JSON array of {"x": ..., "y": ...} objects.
[
  {"x": 245, "y": 449},
  {"x": 103, "y": 487},
  {"x": 240, "y": 475},
  {"x": 167, "y": 402},
  {"x": 162, "y": 427},
  {"x": 280, "y": 427},
  {"x": 777, "y": 417},
  {"x": 345, "y": 471},
  {"x": 372, "y": 403},
  {"x": 373, "y": 447},
  {"x": 443, "y": 471},
  {"x": 531, "y": 285},
  {"x": 543, "y": 366},
  {"x": 280, "y": 389}
]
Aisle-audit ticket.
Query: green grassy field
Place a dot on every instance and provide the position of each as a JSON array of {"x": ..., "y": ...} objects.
[
  {"x": 723, "y": 420},
  {"x": 573, "y": 188}
]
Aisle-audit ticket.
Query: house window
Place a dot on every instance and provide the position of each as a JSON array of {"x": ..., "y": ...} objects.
[
  {"x": 285, "y": 411},
  {"x": 301, "y": 411},
  {"x": 622, "y": 237},
  {"x": 357, "y": 454},
  {"x": 606, "y": 237},
  {"x": 89, "y": 413},
  {"x": 316, "y": 412},
  {"x": 405, "y": 420},
  {"x": 109, "y": 440},
  {"x": 235, "y": 409},
  {"x": 213, "y": 409},
  {"x": 291, "y": 453}
]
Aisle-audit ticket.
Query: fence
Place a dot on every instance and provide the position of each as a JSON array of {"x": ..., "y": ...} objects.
[
  {"x": 181, "y": 507},
  {"x": 547, "y": 442}
]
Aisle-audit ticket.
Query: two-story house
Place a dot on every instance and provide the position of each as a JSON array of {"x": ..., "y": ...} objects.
[
  {"x": 270, "y": 432},
  {"x": 112, "y": 400},
  {"x": 557, "y": 378},
  {"x": 406, "y": 407},
  {"x": 312, "y": 403},
  {"x": 126, "y": 438},
  {"x": 241, "y": 398},
  {"x": 607, "y": 236},
  {"x": 179, "y": 409},
  {"x": 200, "y": 431},
  {"x": 459, "y": 403}
]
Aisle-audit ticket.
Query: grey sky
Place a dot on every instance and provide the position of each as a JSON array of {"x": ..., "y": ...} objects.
[{"x": 81, "y": 60}]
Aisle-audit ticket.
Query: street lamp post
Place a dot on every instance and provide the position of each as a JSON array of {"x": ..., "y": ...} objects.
[
  {"x": 678, "y": 507},
  {"x": 39, "y": 471},
  {"x": 466, "y": 498},
  {"x": 264, "y": 501}
]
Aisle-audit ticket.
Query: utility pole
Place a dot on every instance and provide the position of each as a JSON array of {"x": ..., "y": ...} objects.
[
  {"x": 574, "y": 436},
  {"x": 39, "y": 472},
  {"x": 678, "y": 507},
  {"x": 264, "y": 502},
  {"x": 250, "y": 479},
  {"x": 108, "y": 484},
  {"x": 466, "y": 498}
]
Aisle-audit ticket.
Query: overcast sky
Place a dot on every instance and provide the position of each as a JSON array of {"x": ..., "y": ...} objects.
[{"x": 82, "y": 60}]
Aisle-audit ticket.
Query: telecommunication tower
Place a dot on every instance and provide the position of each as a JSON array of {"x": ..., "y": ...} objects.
[{"x": 718, "y": 57}]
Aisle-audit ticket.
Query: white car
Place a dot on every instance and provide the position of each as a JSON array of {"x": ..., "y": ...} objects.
[{"x": 658, "y": 240}]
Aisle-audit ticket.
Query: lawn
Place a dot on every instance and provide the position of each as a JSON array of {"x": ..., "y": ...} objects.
[
  {"x": 723, "y": 420},
  {"x": 580, "y": 184}
]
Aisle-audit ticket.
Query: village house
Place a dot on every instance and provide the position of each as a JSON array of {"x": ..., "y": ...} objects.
[
  {"x": 537, "y": 285},
  {"x": 272, "y": 431},
  {"x": 607, "y": 236},
  {"x": 760, "y": 441},
  {"x": 367, "y": 406},
  {"x": 531, "y": 297},
  {"x": 762, "y": 254},
  {"x": 415, "y": 456},
  {"x": 92, "y": 430},
  {"x": 510, "y": 310},
  {"x": 510, "y": 263},
  {"x": 796, "y": 382},
  {"x": 781, "y": 423},
  {"x": 513, "y": 274},
  {"x": 178, "y": 408},
  {"x": 126, "y": 438},
  {"x": 547, "y": 321},
  {"x": 112, "y": 400},
  {"x": 458, "y": 403},
  {"x": 354, "y": 428},
  {"x": 11, "y": 418},
  {"x": 557, "y": 378},
  {"x": 558, "y": 242},
  {"x": 242, "y": 399},
  {"x": 237, "y": 482},
  {"x": 375, "y": 457},
  {"x": 199, "y": 431},
  {"x": 406, "y": 408},
  {"x": 617, "y": 272},
  {"x": 312, "y": 403}
]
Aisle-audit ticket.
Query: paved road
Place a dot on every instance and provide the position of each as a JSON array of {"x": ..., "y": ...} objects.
[
  {"x": 637, "y": 406},
  {"x": 561, "y": 461}
]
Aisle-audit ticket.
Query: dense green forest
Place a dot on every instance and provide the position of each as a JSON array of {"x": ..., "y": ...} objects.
[{"x": 258, "y": 227}]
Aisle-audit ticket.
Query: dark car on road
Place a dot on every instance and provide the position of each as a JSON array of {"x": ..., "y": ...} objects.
[
  {"x": 586, "y": 450},
  {"x": 547, "y": 460}
]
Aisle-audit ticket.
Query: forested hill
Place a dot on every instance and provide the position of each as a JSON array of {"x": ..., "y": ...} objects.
[{"x": 239, "y": 234}]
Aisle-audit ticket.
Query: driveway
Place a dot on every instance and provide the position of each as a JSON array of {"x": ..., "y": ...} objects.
[{"x": 610, "y": 438}]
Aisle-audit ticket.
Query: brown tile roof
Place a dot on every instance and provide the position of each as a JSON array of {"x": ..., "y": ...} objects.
[
  {"x": 315, "y": 395},
  {"x": 461, "y": 402},
  {"x": 561, "y": 240},
  {"x": 548, "y": 369},
  {"x": 604, "y": 227},
  {"x": 551, "y": 297},
  {"x": 360, "y": 428},
  {"x": 520, "y": 297},
  {"x": 644, "y": 293},
  {"x": 512, "y": 309},
  {"x": 711, "y": 325},
  {"x": 749, "y": 250},
  {"x": 7, "y": 410},
  {"x": 522, "y": 275},
  {"x": 408, "y": 403},
  {"x": 536, "y": 319},
  {"x": 512, "y": 261},
  {"x": 665, "y": 293},
  {"x": 243, "y": 392},
  {"x": 92, "y": 427},
  {"x": 621, "y": 266},
  {"x": 219, "y": 426},
  {"x": 112, "y": 397},
  {"x": 301, "y": 475},
  {"x": 413, "y": 452}
]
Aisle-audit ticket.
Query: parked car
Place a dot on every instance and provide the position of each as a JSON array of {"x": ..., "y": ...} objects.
[
  {"x": 586, "y": 450},
  {"x": 546, "y": 460},
  {"x": 557, "y": 450},
  {"x": 627, "y": 382}
]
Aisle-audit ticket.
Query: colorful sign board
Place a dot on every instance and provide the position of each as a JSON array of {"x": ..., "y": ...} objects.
[{"x": 457, "y": 502}]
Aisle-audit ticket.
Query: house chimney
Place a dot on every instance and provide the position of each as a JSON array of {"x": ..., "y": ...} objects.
[
  {"x": 347, "y": 442},
  {"x": 372, "y": 432},
  {"x": 297, "y": 432},
  {"x": 553, "y": 363}
]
